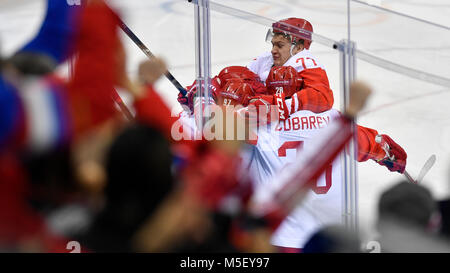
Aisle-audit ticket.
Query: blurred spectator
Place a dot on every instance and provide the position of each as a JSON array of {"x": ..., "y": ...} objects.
[
  {"x": 407, "y": 204},
  {"x": 138, "y": 168},
  {"x": 46, "y": 122},
  {"x": 333, "y": 239},
  {"x": 408, "y": 220},
  {"x": 54, "y": 42},
  {"x": 147, "y": 211},
  {"x": 444, "y": 209}
]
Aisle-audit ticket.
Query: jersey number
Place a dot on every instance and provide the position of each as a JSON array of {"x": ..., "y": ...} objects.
[
  {"x": 303, "y": 61},
  {"x": 279, "y": 90},
  {"x": 328, "y": 172},
  {"x": 226, "y": 102}
]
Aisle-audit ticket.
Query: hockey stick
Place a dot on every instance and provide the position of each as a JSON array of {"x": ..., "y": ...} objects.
[
  {"x": 122, "y": 106},
  {"x": 426, "y": 167},
  {"x": 149, "y": 54}
]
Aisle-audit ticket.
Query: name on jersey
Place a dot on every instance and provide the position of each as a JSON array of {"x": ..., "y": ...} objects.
[{"x": 303, "y": 123}]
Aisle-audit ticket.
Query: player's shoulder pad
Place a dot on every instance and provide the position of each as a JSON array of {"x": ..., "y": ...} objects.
[
  {"x": 263, "y": 60},
  {"x": 266, "y": 56},
  {"x": 303, "y": 60}
]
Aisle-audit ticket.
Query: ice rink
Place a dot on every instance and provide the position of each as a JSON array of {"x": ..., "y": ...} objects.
[{"x": 414, "y": 112}]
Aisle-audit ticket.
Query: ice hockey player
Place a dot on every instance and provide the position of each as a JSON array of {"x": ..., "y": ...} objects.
[
  {"x": 218, "y": 82},
  {"x": 278, "y": 147},
  {"x": 291, "y": 40}
]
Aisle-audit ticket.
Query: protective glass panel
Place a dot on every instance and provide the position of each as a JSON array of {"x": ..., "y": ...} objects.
[
  {"x": 238, "y": 31},
  {"x": 400, "y": 39},
  {"x": 407, "y": 62}
]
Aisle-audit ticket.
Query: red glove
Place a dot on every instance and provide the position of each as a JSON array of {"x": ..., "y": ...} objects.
[
  {"x": 263, "y": 107},
  {"x": 182, "y": 99},
  {"x": 395, "y": 159},
  {"x": 259, "y": 107},
  {"x": 188, "y": 99}
]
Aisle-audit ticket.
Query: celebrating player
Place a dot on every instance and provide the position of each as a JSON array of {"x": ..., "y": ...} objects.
[
  {"x": 278, "y": 147},
  {"x": 291, "y": 40},
  {"x": 219, "y": 82}
]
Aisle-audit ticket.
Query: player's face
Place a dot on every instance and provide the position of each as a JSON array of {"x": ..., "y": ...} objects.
[{"x": 281, "y": 47}]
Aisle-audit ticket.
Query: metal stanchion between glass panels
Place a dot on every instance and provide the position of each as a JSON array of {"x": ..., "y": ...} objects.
[
  {"x": 202, "y": 57},
  {"x": 350, "y": 185}
]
